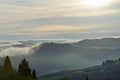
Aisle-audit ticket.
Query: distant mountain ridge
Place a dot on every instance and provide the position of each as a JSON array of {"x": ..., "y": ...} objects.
[
  {"x": 98, "y": 46},
  {"x": 102, "y": 43}
]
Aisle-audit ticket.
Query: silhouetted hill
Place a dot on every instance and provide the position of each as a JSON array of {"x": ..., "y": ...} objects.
[
  {"x": 86, "y": 49},
  {"x": 52, "y": 48}
]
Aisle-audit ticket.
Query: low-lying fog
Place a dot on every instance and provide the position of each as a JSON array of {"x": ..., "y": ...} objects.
[{"x": 53, "y": 57}]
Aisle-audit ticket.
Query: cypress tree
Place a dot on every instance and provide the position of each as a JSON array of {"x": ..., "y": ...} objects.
[
  {"x": 20, "y": 69},
  {"x": 86, "y": 78},
  {"x": 34, "y": 74},
  {"x": 7, "y": 63},
  {"x": 24, "y": 69}
]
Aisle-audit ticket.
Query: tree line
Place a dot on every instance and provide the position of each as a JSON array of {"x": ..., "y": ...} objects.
[
  {"x": 24, "y": 72},
  {"x": 110, "y": 61}
]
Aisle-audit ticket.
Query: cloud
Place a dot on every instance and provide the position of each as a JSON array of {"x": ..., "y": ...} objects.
[
  {"x": 31, "y": 17},
  {"x": 41, "y": 23},
  {"x": 13, "y": 12},
  {"x": 62, "y": 28},
  {"x": 15, "y": 48},
  {"x": 12, "y": 51}
]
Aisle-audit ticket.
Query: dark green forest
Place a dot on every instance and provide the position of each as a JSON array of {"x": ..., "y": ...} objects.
[{"x": 24, "y": 72}]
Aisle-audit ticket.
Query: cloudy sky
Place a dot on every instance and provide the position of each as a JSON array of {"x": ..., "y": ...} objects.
[{"x": 59, "y": 19}]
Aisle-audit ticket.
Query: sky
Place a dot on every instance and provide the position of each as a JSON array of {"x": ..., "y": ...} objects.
[{"x": 59, "y": 19}]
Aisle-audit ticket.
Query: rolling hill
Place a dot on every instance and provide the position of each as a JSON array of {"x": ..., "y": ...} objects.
[{"x": 99, "y": 72}]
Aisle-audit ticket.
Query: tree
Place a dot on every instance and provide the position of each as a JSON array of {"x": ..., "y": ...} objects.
[
  {"x": 24, "y": 69},
  {"x": 34, "y": 74},
  {"x": 7, "y": 63},
  {"x": 86, "y": 78},
  {"x": 19, "y": 69}
]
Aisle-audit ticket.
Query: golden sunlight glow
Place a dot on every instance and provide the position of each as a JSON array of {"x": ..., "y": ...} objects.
[{"x": 96, "y": 3}]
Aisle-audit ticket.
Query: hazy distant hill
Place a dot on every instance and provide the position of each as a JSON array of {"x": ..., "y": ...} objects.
[
  {"x": 62, "y": 56},
  {"x": 86, "y": 49},
  {"x": 105, "y": 44},
  {"x": 99, "y": 72},
  {"x": 100, "y": 43}
]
